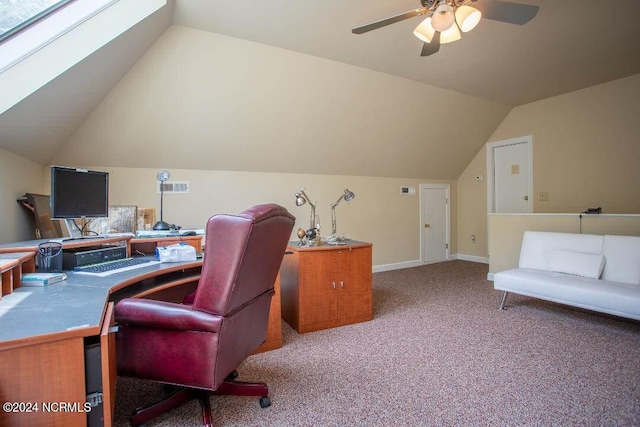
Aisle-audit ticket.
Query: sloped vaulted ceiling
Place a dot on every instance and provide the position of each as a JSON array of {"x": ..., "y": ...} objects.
[{"x": 284, "y": 86}]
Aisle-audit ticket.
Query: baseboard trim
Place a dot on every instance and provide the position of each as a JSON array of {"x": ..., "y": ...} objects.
[
  {"x": 396, "y": 266},
  {"x": 472, "y": 258},
  {"x": 418, "y": 263}
]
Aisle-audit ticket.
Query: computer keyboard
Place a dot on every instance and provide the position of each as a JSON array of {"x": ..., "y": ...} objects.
[{"x": 118, "y": 266}]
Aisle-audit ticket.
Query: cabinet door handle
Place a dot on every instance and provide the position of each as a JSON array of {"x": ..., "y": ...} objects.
[
  {"x": 334, "y": 284},
  {"x": 341, "y": 284}
]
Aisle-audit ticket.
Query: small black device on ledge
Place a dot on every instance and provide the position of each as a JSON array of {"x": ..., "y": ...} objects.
[{"x": 597, "y": 210}]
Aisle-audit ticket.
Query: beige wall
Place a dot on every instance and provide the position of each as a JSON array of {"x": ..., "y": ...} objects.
[
  {"x": 586, "y": 147},
  {"x": 472, "y": 206},
  {"x": 378, "y": 214},
  {"x": 586, "y": 153},
  {"x": 17, "y": 176}
]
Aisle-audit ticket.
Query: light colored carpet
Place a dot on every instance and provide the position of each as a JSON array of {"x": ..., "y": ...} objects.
[{"x": 438, "y": 353}]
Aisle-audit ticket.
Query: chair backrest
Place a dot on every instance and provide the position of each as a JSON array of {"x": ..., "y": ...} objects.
[{"x": 242, "y": 257}]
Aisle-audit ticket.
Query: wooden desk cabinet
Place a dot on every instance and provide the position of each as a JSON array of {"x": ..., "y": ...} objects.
[{"x": 326, "y": 286}]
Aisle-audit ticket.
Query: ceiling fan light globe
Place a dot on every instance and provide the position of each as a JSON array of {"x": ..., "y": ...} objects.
[
  {"x": 443, "y": 18},
  {"x": 451, "y": 35},
  {"x": 425, "y": 31},
  {"x": 467, "y": 18}
]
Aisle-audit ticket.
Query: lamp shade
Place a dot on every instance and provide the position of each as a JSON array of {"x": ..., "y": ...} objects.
[
  {"x": 443, "y": 18},
  {"x": 451, "y": 35},
  {"x": 300, "y": 199},
  {"x": 467, "y": 18},
  {"x": 425, "y": 31}
]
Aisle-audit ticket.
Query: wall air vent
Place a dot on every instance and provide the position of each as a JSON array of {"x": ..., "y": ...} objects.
[
  {"x": 408, "y": 191},
  {"x": 174, "y": 187}
]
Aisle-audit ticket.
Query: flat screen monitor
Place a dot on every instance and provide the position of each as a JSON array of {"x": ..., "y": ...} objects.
[{"x": 78, "y": 193}]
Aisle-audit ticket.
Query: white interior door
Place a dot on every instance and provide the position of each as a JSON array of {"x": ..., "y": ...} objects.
[
  {"x": 511, "y": 177},
  {"x": 435, "y": 223}
]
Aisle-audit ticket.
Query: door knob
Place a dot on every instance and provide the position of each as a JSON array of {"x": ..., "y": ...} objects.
[
  {"x": 427, "y": 225},
  {"x": 526, "y": 197}
]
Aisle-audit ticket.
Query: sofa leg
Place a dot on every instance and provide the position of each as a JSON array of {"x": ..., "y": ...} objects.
[{"x": 504, "y": 300}]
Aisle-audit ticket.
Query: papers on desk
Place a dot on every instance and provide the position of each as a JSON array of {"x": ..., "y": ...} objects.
[
  {"x": 117, "y": 235},
  {"x": 176, "y": 253}
]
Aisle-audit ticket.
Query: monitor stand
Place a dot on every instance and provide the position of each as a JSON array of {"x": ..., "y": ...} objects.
[{"x": 72, "y": 229}]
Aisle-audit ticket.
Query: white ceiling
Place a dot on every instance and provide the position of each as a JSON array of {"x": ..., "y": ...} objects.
[{"x": 569, "y": 45}]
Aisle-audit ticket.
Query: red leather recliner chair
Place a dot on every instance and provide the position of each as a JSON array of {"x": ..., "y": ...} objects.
[{"x": 199, "y": 344}]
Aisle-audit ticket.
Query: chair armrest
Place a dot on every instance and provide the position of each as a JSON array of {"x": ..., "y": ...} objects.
[{"x": 165, "y": 315}]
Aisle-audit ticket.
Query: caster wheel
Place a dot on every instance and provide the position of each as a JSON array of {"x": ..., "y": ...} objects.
[
  {"x": 169, "y": 388},
  {"x": 265, "y": 402}
]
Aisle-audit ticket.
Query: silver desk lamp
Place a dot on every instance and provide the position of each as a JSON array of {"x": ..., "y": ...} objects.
[
  {"x": 301, "y": 199},
  {"x": 348, "y": 196}
]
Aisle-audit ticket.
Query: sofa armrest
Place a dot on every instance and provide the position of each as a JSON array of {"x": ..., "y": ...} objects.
[{"x": 165, "y": 315}]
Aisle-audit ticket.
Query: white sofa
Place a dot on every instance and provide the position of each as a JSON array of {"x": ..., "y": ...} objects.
[{"x": 600, "y": 273}]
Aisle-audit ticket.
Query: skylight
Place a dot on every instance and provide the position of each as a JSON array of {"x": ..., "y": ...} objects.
[
  {"x": 29, "y": 25},
  {"x": 16, "y": 15}
]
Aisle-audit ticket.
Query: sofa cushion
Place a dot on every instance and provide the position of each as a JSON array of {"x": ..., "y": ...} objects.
[
  {"x": 538, "y": 247},
  {"x": 622, "y": 254},
  {"x": 615, "y": 298},
  {"x": 577, "y": 263}
]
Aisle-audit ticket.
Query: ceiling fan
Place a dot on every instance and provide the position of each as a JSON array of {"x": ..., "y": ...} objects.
[{"x": 446, "y": 18}]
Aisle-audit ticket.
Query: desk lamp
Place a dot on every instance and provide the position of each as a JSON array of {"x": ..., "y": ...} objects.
[
  {"x": 348, "y": 196},
  {"x": 301, "y": 199},
  {"x": 162, "y": 177}
]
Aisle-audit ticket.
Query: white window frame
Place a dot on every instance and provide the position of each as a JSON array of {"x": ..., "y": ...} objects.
[{"x": 33, "y": 38}]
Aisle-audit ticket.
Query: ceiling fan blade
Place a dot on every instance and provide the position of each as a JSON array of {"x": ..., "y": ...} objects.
[
  {"x": 389, "y": 21},
  {"x": 504, "y": 11},
  {"x": 433, "y": 47}
]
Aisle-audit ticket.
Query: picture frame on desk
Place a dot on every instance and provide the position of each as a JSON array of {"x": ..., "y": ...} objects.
[
  {"x": 121, "y": 219},
  {"x": 146, "y": 218}
]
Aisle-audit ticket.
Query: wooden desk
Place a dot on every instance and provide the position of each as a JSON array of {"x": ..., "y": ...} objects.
[
  {"x": 44, "y": 332},
  {"x": 326, "y": 286},
  {"x": 32, "y": 245},
  {"x": 12, "y": 266},
  {"x": 146, "y": 245}
]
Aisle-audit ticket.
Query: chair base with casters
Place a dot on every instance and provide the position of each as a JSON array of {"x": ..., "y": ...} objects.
[{"x": 182, "y": 395}]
